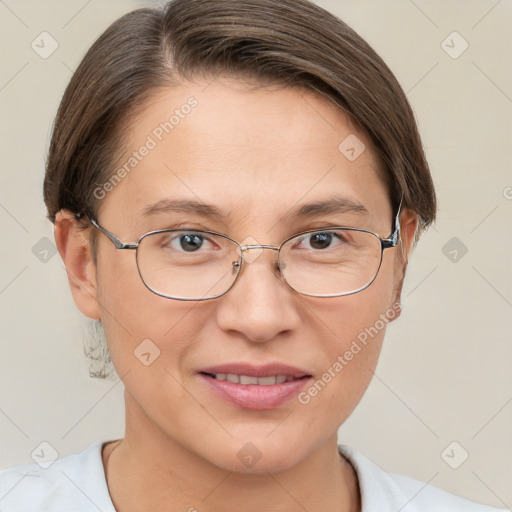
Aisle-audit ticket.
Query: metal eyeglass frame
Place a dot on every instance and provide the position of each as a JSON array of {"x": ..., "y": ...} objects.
[{"x": 386, "y": 243}]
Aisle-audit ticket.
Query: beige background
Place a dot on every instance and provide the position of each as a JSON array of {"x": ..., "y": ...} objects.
[{"x": 445, "y": 371}]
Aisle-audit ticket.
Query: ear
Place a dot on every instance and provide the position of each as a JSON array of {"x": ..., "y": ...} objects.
[
  {"x": 408, "y": 227},
  {"x": 73, "y": 244}
]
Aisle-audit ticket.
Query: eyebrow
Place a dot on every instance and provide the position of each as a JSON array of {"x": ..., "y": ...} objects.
[
  {"x": 182, "y": 206},
  {"x": 329, "y": 206}
]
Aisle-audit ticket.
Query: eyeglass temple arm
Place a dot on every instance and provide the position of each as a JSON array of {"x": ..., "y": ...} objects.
[
  {"x": 393, "y": 239},
  {"x": 113, "y": 238}
]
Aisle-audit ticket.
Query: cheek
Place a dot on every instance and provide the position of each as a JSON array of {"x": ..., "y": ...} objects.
[
  {"x": 120, "y": 290},
  {"x": 133, "y": 317},
  {"x": 350, "y": 354}
]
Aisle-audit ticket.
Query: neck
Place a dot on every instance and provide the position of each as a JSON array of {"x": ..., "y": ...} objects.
[{"x": 147, "y": 470}]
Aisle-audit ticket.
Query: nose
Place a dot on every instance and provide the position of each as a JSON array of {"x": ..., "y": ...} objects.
[{"x": 260, "y": 305}]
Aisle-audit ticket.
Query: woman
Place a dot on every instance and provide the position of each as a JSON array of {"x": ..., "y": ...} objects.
[{"x": 236, "y": 188}]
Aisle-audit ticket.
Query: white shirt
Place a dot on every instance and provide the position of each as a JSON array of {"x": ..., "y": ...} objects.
[{"x": 76, "y": 483}]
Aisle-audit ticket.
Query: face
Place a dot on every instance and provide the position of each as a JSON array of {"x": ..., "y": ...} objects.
[{"x": 256, "y": 155}]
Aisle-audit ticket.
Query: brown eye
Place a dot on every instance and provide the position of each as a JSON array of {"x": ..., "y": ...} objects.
[
  {"x": 322, "y": 240},
  {"x": 190, "y": 242}
]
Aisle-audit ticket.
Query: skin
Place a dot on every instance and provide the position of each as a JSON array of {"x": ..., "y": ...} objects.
[{"x": 255, "y": 153}]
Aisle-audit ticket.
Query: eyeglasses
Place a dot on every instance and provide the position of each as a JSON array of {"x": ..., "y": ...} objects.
[{"x": 191, "y": 264}]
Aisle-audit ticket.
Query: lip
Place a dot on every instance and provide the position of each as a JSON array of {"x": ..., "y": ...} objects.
[
  {"x": 253, "y": 396},
  {"x": 257, "y": 371}
]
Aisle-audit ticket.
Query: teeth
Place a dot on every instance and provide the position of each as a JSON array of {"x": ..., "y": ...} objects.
[
  {"x": 244, "y": 379},
  {"x": 267, "y": 381},
  {"x": 249, "y": 379}
]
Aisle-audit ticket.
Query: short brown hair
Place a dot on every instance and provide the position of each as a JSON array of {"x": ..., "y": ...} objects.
[{"x": 290, "y": 42}]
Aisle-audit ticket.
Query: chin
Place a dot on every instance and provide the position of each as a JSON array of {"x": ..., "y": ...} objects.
[
  {"x": 260, "y": 456},
  {"x": 270, "y": 463}
]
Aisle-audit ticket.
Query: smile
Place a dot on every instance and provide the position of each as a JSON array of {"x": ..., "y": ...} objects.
[{"x": 255, "y": 387}]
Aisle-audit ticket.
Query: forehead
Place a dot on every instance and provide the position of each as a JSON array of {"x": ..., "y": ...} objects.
[{"x": 245, "y": 148}]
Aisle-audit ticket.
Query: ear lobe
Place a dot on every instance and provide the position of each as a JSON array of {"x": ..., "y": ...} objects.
[{"x": 73, "y": 245}]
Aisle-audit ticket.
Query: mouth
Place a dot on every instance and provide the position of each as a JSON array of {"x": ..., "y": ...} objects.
[{"x": 256, "y": 388}]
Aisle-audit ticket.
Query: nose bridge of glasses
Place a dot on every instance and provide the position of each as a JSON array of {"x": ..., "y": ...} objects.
[{"x": 258, "y": 250}]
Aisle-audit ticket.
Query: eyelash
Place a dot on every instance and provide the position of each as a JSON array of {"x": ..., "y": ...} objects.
[{"x": 340, "y": 239}]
